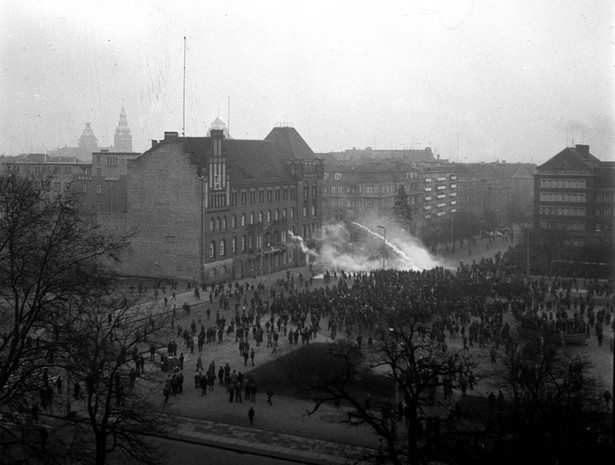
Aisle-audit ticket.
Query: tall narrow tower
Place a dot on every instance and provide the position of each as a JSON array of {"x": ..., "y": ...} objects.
[{"x": 122, "y": 140}]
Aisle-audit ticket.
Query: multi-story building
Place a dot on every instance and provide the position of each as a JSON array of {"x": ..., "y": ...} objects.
[
  {"x": 492, "y": 189},
  {"x": 440, "y": 190},
  {"x": 574, "y": 195},
  {"x": 214, "y": 209},
  {"x": 101, "y": 180},
  {"x": 366, "y": 192},
  {"x": 62, "y": 175}
]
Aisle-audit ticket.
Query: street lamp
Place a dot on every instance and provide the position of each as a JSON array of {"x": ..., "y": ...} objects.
[
  {"x": 384, "y": 237},
  {"x": 265, "y": 229}
]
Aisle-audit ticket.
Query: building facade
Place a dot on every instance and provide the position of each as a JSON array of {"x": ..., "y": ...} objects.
[
  {"x": 574, "y": 200},
  {"x": 573, "y": 194},
  {"x": 366, "y": 192},
  {"x": 214, "y": 209}
]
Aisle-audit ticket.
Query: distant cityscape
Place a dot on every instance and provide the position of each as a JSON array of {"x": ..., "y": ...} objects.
[{"x": 215, "y": 208}]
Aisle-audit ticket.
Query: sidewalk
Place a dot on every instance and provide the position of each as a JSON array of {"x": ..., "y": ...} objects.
[{"x": 266, "y": 443}]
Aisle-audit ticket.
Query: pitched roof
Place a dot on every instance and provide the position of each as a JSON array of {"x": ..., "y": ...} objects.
[
  {"x": 291, "y": 142},
  {"x": 247, "y": 161},
  {"x": 577, "y": 157}
]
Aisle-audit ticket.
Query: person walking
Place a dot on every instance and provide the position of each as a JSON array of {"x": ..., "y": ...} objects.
[
  {"x": 251, "y": 415},
  {"x": 269, "y": 395}
]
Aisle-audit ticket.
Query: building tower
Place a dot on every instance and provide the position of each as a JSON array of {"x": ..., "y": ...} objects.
[
  {"x": 88, "y": 141},
  {"x": 122, "y": 140},
  {"x": 218, "y": 124}
]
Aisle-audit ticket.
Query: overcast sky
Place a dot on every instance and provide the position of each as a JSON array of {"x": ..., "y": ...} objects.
[{"x": 477, "y": 80}]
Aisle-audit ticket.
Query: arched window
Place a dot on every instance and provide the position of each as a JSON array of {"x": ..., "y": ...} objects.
[
  {"x": 243, "y": 243},
  {"x": 268, "y": 216},
  {"x": 224, "y": 223},
  {"x": 292, "y": 213},
  {"x": 243, "y": 219},
  {"x": 260, "y": 216},
  {"x": 284, "y": 213},
  {"x": 251, "y": 217},
  {"x": 234, "y": 245},
  {"x": 212, "y": 249},
  {"x": 217, "y": 223},
  {"x": 211, "y": 224},
  {"x": 234, "y": 221},
  {"x": 276, "y": 216},
  {"x": 222, "y": 248}
]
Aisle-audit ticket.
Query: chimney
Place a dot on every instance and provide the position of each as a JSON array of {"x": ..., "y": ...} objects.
[
  {"x": 171, "y": 135},
  {"x": 154, "y": 143},
  {"x": 582, "y": 149}
]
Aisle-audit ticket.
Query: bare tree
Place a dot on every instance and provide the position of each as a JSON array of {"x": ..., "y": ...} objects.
[
  {"x": 415, "y": 364},
  {"x": 50, "y": 258},
  {"x": 122, "y": 403},
  {"x": 550, "y": 403}
]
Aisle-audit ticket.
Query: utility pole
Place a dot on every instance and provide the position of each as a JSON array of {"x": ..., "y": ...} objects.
[{"x": 184, "y": 95}]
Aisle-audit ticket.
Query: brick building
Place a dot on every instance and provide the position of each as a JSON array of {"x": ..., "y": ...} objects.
[{"x": 214, "y": 209}]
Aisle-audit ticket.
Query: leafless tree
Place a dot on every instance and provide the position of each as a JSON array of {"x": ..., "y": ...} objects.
[
  {"x": 419, "y": 368},
  {"x": 57, "y": 292},
  {"x": 122, "y": 402}
]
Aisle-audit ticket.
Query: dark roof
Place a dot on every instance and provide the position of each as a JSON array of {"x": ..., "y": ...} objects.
[
  {"x": 291, "y": 142},
  {"x": 577, "y": 157},
  {"x": 247, "y": 161}
]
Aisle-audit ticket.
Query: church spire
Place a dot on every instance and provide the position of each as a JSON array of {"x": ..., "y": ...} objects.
[{"x": 122, "y": 140}]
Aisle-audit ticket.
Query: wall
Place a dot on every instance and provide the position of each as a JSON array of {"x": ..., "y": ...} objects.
[{"x": 164, "y": 207}]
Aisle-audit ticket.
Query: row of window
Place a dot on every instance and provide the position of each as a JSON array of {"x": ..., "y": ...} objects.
[
  {"x": 603, "y": 212},
  {"x": 544, "y": 224},
  {"x": 562, "y": 211},
  {"x": 600, "y": 227},
  {"x": 605, "y": 198},
  {"x": 109, "y": 160},
  {"x": 359, "y": 203},
  {"x": 244, "y": 243},
  {"x": 220, "y": 223},
  {"x": 45, "y": 169},
  {"x": 561, "y": 197},
  {"x": 388, "y": 189},
  {"x": 563, "y": 183},
  {"x": 278, "y": 193},
  {"x": 441, "y": 178}
]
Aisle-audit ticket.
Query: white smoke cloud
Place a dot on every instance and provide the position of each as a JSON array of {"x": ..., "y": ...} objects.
[{"x": 357, "y": 247}]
